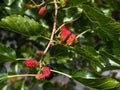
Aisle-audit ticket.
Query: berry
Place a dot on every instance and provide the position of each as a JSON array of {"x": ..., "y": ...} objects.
[
  {"x": 64, "y": 33},
  {"x": 31, "y": 63},
  {"x": 66, "y": 1},
  {"x": 42, "y": 11},
  {"x": 71, "y": 39},
  {"x": 28, "y": 5},
  {"x": 45, "y": 74},
  {"x": 46, "y": 71},
  {"x": 51, "y": 74},
  {"x": 39, "y": 52},
  {"x": 40, "y": 76}
]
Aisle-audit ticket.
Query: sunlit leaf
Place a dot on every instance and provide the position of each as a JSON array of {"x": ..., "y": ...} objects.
[
  {"x": 23, "y": 25},
  {"x": 89, "y": 79}
]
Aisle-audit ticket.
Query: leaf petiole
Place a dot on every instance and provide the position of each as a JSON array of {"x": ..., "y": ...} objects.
[{"x": 62, "y": 73}]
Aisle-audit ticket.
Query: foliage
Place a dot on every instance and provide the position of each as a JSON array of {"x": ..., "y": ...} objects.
[{"x": 96, "y": 48}]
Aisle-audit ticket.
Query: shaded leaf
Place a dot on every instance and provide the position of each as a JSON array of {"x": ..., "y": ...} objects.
[
  {"x": 3, "y": 72},
  {"x": 48, "y": 86},
  {"x": 23, "y": 25},
  {"x": 72, "y": 15},
  {"x": 110, "y": 56},
  {"x": 114, "y": 62},
  {"x": 77, "y": 2},
  {"x": 95, "y": 15},
  {"x": 90, "y": 54},
  {"x": 9, "y": 2},
  {"x": 59, "y": 50},
  {"x": 15, "y": 6},
  {"x": 89, "y": 79},
  {"x": 109, "y": 30},
  {"x": 7, "y": 54},
  {"x": 113, "y": 3}
]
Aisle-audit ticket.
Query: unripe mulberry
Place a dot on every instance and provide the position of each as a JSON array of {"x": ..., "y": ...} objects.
[
  {"x": 71, "y": 39},
  {"x": 40, "y": 76},
  {"x": 64, "y": 33},
  {"x": 31, "y": 63},
  {"x": 39, "y": 52},
  {"x": 42, "y": 11},
  {"x": 28, "y": 5},
  {"x": 45, "y": 74}
]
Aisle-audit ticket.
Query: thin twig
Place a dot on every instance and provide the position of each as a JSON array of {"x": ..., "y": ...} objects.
[
  {"x": 33, "y": 2},
  {"x": 83, "y": 33},
  {"x": 54, "y": 27},
  {"x": 20, "y": 75},
  {"x": 59, "y": 28}
]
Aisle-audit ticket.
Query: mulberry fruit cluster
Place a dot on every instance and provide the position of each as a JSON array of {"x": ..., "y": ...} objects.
[
  {"x": 45, "y": 73},
  {"x": 31, "y": 63},
  {"x": 67, "y": 37}
]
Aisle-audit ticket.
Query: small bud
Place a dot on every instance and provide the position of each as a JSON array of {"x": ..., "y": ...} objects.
[
  {"x": 31, "y": 63},
  {"x": 66, "y": 1},
  {"x": 42, "y": 11},
  {"x": 13, "y": 79},
  {"x": 28, "y": 5},
  {"x": 39, "y": 52},
  {"x": 71, "y": 39}
]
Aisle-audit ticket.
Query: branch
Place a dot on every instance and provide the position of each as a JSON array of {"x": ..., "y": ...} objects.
[{"x": 54, "y": 28}]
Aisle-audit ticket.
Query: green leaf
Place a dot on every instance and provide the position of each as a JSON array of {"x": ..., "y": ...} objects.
[
  {"x": 95, "y": 15},
  {"x": 59, "y": 50},
  {"x": 3, "y": 72},
  {"x": 23, "y": 25},
  {"x": 7, "y": 54},
  {"x": 85, "y": 73},
  {"x": 110, "y": 56},
  {"x": 15, "y": 6},
  {"x": 9, "y": 2},
  {"x": 89, "y": 79},
  {"x": 90, "y": 54},
  {"x": 115, "y": 4},
  {"x": 76, "y": 2},
  {"x": 108, "y": 29},
  {"x": 49, "y": 85},
  {"x": 72, "y": 14},
  {"x": 62, "y": 2},
  {"x": 113, "y": 61},
  {"x": 113, "y": 29}
]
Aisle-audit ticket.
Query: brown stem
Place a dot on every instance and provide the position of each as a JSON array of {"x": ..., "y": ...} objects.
[{"x": 54, "y": 28}]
